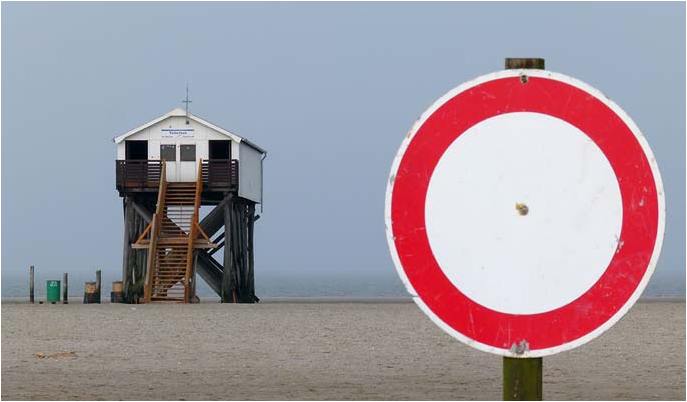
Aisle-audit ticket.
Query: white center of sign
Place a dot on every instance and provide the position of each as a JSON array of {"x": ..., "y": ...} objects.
[{"x": 523, "y": 213}]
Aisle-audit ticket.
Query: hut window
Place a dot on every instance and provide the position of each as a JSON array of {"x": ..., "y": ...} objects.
[
  {"x": 220, "y": 149},
  {"x": 168, "y": 152},
  {"x": 188, "y": 152},
  {"x": 136, "y": 150}
]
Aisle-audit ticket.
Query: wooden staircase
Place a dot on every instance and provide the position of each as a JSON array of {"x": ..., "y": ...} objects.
[{"x": 170, "y": 239}]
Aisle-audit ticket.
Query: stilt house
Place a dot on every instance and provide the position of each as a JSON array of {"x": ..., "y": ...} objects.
[{"x": 165, "y": 170}]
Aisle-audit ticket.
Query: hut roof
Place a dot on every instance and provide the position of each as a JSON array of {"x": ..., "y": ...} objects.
[{"x": 178, "y": 112}]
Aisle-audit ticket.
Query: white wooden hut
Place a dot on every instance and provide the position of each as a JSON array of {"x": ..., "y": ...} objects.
[
  {"x": 166, "y": 243},
  {"x": 182, "y": 140}
]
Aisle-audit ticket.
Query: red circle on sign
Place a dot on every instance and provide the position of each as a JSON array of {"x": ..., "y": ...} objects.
[{"x": 624, "y": 278}]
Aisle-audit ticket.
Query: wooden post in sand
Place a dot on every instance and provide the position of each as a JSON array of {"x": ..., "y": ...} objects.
[
  {"x": 117, "y": 294},
  {"x": 31, "y": 277},
  {"x": 98, "y": 284},
  {"x": 65, "y": 289},
  {"x": 89, "y": 294},
  {"x": 522, "y": 377}
]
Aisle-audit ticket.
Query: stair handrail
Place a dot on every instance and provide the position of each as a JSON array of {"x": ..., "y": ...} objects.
[
  {"x": 193, "y": 233},
  {"x": 155, "y": 232}
]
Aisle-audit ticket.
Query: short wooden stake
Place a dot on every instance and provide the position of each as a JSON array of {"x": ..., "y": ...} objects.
[
  {"x": 65, "y": 289},
  {"x": 522, "y": 379},
  {"x": 117, "y": 294},
  {"x": 97, "y": 286},
  {"x": 31, "y": 277},
  {"x": 89, "y": 293}
]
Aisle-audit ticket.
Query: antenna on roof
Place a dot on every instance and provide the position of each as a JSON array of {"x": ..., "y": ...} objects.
[{"x": 186, "y": 101}]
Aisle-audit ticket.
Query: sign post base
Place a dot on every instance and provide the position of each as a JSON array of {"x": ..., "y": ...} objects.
[{"x": 522, "y": 379}]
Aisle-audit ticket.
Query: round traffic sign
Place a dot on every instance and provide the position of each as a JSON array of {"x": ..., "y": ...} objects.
[{"x": 524, "y": 213}]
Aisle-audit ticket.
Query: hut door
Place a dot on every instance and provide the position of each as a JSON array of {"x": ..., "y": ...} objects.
[
  {"x": 183, "y": 168},
  {"x": 187, "y": 167},
  {"x": 168, "y": 153}
]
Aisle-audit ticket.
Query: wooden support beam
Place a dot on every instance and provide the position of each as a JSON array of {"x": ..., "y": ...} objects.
[
  {"x": 243, "y": 253},
  {"x": 202, "y": 232},
  {"x": 210, "y": 271},
  {"x": 229, "y": 274},
  {"x": 142, "y": 211},
  {"x": 136, "y": 217},
  {"x": 142, "y": 236},
  {"x": 239, "y": 261},
  {"x": 214, "y": 220},
  {"x": 251, "y": 255},
  {"x": 216, "y": 249},
  {"x": 218, "y": 238},
  {"x": 235, "y": 250},
  {"x": 128, "y": 227}
]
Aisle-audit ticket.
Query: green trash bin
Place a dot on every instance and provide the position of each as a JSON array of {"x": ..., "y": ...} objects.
[{"x": 53, "y": 291}]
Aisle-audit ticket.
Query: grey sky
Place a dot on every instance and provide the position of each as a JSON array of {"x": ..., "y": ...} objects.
[{"x": 328, "y": 89}]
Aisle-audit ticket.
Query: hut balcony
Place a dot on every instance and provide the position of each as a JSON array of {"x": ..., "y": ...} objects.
[{"x": 219, "y": 175}]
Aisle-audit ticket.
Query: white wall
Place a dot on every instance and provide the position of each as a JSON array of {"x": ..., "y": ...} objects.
[
  {"x": 160, "y": 133},
  {"x": 250, "y": 173}
]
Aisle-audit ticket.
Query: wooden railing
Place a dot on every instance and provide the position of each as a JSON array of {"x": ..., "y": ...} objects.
[
  {"x": 154, "y": 233},
  {"x": 220, "y": 173},
  {"x": 188, "y": 285},
  {"x": 139, "y": 174},
  {"x": 144, "y": 175}
]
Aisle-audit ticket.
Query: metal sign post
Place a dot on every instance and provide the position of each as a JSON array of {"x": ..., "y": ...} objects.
[{"x": 525, "y": 215}]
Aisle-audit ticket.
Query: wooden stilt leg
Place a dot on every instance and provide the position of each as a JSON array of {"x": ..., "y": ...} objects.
[
  {"x": 128, "y": 274},
  {"x": 251, "y": 257},
  {"x": 228, "y": 278}
]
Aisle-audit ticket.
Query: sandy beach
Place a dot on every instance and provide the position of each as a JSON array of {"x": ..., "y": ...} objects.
[{"x": 310, "y": 351}]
